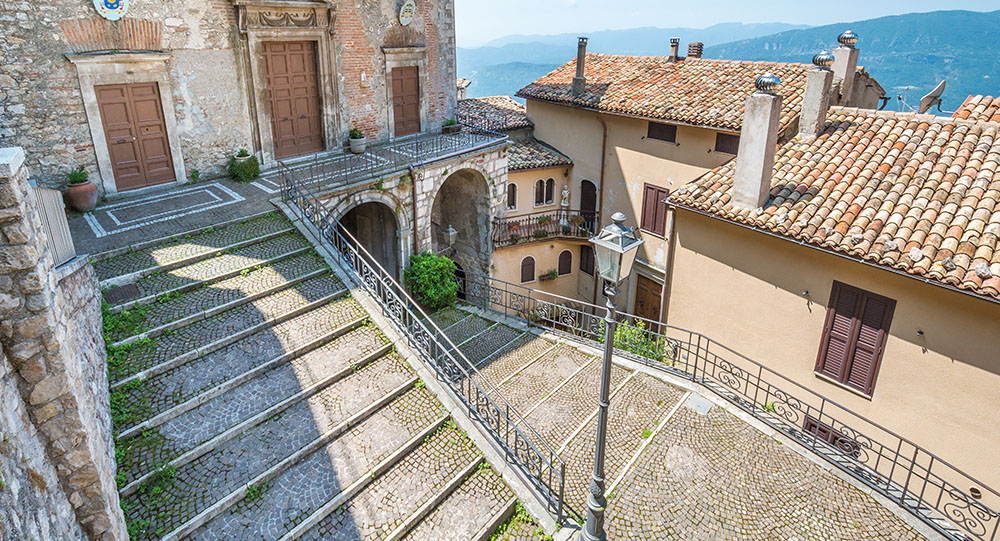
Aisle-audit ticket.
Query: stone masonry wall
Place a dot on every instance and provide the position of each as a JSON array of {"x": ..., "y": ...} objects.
[{"x": 50, "y": 333}]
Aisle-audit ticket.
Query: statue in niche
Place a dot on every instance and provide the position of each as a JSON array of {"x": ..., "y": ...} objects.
[
  {"x": 564, "y": 203},
  {"x": 565, "y": 197}
]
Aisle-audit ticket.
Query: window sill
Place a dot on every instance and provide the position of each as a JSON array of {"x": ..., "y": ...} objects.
[
  {"x": 543, "y": 205},
  {"x": 654, "y": 233},
  {"x": 843, "y": 386}
]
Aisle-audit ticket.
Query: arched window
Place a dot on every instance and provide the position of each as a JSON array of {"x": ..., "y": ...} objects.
[
  {"x": 512, "y": 196},
  {"x": 550, "y": 191},
  {"x": 539, "y": 192},
  {"x": 527, "y": 270},
  {"x": 565, "y": 262}
]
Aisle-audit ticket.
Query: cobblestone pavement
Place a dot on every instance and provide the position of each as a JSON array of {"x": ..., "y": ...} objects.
[
  {"x": 537, "y": 381},
  {"x": 383, "y": 505},
  {"x": 191, "y": 246},
  {"x": 481, "y": 496},
  {"x": 448, "y": 316},
  {"x": 513, "y": 357},
  {"x": 489, "y": 343},
  {"x": 467, "y": 328}
]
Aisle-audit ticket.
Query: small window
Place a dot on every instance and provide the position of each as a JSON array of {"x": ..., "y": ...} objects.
[
  {"x": 662, "y": 132},
  {"x": 544, "y": 192},
  {"x": 527, "y": 270},
  {"x": 550, "y": 191},
  {"x": 654, "y": 210},
  {"x": 587, "y": 259},
  {"x": 854, "y": 336},
  {"x": 565, "y": 262},
  {"x": 728, "y": 143},
  {"x": 512, "y": 196}
]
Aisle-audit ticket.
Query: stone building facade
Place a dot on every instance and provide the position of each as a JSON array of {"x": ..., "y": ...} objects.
[
  {"x": 56, "y": 450},
  {"x": 190, "y": 82}
]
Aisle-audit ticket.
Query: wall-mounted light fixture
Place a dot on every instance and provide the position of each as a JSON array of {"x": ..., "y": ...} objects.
[
  {"x": 920, "y": 333},
  {"x": 450, "y": 235}
]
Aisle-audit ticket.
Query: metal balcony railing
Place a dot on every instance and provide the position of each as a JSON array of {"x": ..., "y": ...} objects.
[
  {"x": 544, "y": 225},
  {"x": 952, "y": 502}
]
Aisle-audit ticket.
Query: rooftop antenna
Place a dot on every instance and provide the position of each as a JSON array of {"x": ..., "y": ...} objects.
[
  {"x": 901, "y": 104},
  {"x": 933, "y": 98}
]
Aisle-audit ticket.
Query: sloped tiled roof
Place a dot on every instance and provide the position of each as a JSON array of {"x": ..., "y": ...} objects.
[
  {"x": 502, "y": 108},
  {"x": 981, "y": 108},
  {"x": 916, "y": 193},
  {"x": 533, "y": 154},
  {"x": 699, "y": 91}
]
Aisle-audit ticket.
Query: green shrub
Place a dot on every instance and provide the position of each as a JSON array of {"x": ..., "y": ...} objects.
[
  {"x": 541, "y": 233},
  {"x": 356, "y": 134},
  {"x": 431, "y": 278},
  {"x": 195, "y": 176},
  {"x": 77, "y": 176},
  {"x": 243, "y": 170},
  {"x": 635, "y": 339}
]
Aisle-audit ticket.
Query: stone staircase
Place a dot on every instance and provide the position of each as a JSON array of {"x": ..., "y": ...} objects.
[{"x": 254, "y": 398}]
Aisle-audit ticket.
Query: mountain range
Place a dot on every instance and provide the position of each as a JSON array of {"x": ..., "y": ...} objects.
[{"x": 907, "y": 54}]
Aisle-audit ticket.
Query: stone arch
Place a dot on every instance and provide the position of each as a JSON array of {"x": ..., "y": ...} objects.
[
  {"x": 463, "y": 201},
  {"x": 380, "y": 222}
]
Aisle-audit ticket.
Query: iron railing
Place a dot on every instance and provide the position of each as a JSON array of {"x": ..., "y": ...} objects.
[
  {"x": 563, "y": 223},
  {"x": 524, "y": 448},
  {"x": 916, "y": 479},
  {"x": 493, "y": 122}
]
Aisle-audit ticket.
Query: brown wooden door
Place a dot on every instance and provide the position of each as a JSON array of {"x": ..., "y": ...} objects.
[
  {"x": 136, "y": 134},
  {"x": 588, "y": 204},
  {"x": 406, "y": 100},
  {"x": 647, "y": 298},
  {"x": 293, "y": 92}
]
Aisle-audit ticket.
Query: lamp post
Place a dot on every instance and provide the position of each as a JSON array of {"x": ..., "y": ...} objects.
[{"x": 614, "y": 248}]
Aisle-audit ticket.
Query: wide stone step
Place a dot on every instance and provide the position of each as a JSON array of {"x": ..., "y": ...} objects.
[
  {"x": 382, "y": 506},
  {"x": 539, "y": 379},
  {"x": 467, "y": 328},
  {"x": 467, "y": 510},
  {"x": 220, "y": 266},
  {"x": 220, "y": 409},
  {"x": 190, "y": 247},
  {"x": 448, "y": 316},
  {"x": 173, "y": 311},
  {"x": 305, "y": 487},
  {"x": 489, "y": 342},
  {"x": 202, "y": 477},
  {"x": 513, "y": 357},
  {"x": 189, "y": 342}
]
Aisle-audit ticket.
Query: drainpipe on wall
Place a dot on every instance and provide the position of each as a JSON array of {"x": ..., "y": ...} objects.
[
  {"x": 413, "y": 196},
  {"x": 668, "y": 248},
  {"x": 600, "y": 197}
]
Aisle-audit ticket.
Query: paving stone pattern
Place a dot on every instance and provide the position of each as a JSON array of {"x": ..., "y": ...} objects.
[
  {"x": 511, "y": 358},
  {"x": 537, "y": 381},
  {"x": 481, "y": 496},
  {"x": 184, "y": 248},
  {"x": 389, "y": 499},
  {"x": 488, "y": 343},
  {"x": 448, "y": 316},
  {"x": 467, "y": 328}
]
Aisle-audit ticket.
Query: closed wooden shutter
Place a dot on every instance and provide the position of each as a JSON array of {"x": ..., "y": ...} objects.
[
  {"x": 587, "y": 259},
  {"x": 857, "y": 324},
  {"x": 654, "y": 210},
  {"x": 527, "y": 269},
  {"x": 512, "y": 196},
  {"x": 539, "y": 192},
  {"x": 565, "y": 262},
  {"x": 550, "y": 190},
  {"x": 724, "y": 142}
]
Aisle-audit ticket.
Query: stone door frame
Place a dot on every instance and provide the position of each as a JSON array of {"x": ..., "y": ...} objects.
[
  {"x": 126, "y": 68},
  {"x": 265, "y": 20},
  {"x": 405, "y": 57}
]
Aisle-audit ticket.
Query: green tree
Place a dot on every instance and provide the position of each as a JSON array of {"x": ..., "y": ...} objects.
[{"x": 431, "y": 278}]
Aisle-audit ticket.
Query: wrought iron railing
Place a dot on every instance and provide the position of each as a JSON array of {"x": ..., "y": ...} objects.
[
  {"x": 563, "y": 223},
  {"x": 949, "y": 500},
  {"x": 524, "y": 448},
  {"x": 491, "y": 122}
]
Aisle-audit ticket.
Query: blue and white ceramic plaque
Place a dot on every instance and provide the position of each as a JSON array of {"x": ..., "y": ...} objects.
[{"x": 111, "y": 10}]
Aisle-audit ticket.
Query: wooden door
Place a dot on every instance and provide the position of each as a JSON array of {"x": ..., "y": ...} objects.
[
  {"x": 136, "y": 134},
  {"x": 406, "y": 100},
  {"x": 588, "y": 204},
  {"x": 293, "y": 92},
  {"x": 647, "y": 298}
]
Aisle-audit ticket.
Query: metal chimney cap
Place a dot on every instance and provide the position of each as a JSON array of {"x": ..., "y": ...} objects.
[
  {"x": 768, "y": 83},
  {"x": 823, "y": 60},
  {"x": 581, "y": 40},
  {"x": 848, "y": 38},
  {"x": 675, "y": 41}
]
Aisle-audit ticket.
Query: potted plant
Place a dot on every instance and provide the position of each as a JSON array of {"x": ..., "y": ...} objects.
[
  {"x": 451, "y": 126},
  {"x": 544, "y": 220},
  {"x": 81, "y": 193},
  {"x": 552, "y": 274},
  {"x": 243, "y": 166},
  {"x": 566, "y": 229},
  {"x": 358, "y": 141},
  {"x": 541, "y": 233}
]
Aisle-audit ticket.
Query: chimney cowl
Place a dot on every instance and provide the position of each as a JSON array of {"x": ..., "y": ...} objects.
[
  {"x": 848, "y": 38},
  {"x": 768, "y": 83},
  {"x": 823, "y": 60},
  {"x": 675, "y": 45},
  {"x": 696, "y": 49}
]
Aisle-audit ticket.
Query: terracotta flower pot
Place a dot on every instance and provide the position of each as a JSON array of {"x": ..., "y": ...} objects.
[{"x": 82, "y": 197}]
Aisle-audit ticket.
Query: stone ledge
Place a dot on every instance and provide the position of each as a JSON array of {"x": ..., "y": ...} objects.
[
  {"x": 70, "y": 267},
  {"x": 11, "y": 159}
]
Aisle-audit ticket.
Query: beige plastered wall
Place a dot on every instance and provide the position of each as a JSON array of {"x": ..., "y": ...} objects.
[
  {"x": 507, "y": 266},
  {"x": 525, "y": 182},
  {"x": 748, "y": 291}
]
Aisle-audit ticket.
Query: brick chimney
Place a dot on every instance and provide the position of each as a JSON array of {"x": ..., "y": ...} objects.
[
  {"x": 845, "y": 64},
  {"x": 758, "y": 141},
  {"x": 695, "y": 49},
  {"x": 580, "y": 81},
  {"x": 816, "y": 100},
  {"x": 675, "y": 49}
]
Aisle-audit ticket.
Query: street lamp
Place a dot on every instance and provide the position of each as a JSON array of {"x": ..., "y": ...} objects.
[
  {"x": 450, "y": 235},
  {"x": 614, "y": 248}
]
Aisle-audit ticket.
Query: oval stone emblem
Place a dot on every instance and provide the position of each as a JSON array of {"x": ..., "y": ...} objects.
[
  {"x": 111, "y": 10},
  {"x": 407, "y": 12}
]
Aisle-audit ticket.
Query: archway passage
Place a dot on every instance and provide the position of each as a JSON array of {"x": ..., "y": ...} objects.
[
  {"x": 374, "y": 225},
  {"x": 462, "y": 283},
  {"x": 463, "y": 203}
]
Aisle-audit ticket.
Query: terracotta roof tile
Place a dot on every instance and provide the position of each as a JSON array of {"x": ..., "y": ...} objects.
[
  {"x": 698, "y": 91},
  {"x": 505, "y": 109},
  {"x": 533, "y": 154},
  {"x": 980, "y": 108},
  {"x": 916, "y": 193}
]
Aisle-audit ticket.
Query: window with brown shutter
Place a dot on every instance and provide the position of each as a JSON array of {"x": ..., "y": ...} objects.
[
  {"x": 512, "y": 196},
  {"x": 565, "y": 262},
  {"x": 728, "y": 143},
  {"x": 662, "y": 132},
  {"x": 857, "y": 325},
  {"x": 587, "y": 259},
  {"x": 527, "y": 270},
  {"x": 550, "y": 191},
  {"x": 654, "y": 210}
]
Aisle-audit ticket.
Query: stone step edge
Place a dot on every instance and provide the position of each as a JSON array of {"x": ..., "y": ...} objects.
[
  {"x": 645, "y": 443},
  {"x": 411, "y": 521},
  {"x": 195, "y": 284},
  {"x": 142, "y": 245},
  {"x": 363, "y": 481},
  {"x": 198, "y": 400},
  {"x": 223, "y": 342},
  {"x": 198, "y": 316},
  {"x": 590, "y": 416},
  {"x": 501, "y": 349},
  {"x": 501, "y": 516},
  {"x": 533, "y": 360},
  {"x": 237, "y": 495},
  {"x": 134, "y": 276},
  {"x": 248, "y": 424}
]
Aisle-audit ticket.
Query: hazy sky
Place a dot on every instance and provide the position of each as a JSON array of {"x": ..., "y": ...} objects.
[{"x": 479, "y": 21}]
